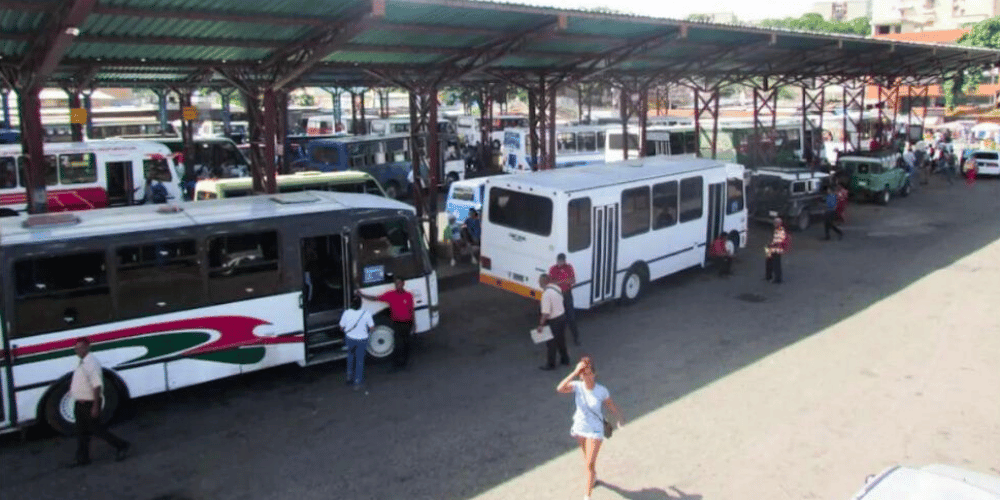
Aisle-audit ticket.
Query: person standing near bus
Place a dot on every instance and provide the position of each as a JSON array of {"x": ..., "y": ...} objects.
[
  {"x": 357, "y": 325},
  {"x": 562, "y": 275},
  {"x": 588, "y": 418},
  {"x": 774, "y": 250},
  {"x": 473, "y": 232},
  {"x": 830, "y": 217},
  {"x": 86, "y": 388},
  {"x": 401, "y": 312},
  {"x": 553, "y": 314}
]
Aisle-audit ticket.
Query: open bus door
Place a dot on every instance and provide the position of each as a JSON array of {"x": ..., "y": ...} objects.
[
  {"x": 6, "y": 388},
  {"x": 326, "y": 293}
]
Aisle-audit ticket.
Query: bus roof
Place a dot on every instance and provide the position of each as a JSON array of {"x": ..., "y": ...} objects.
[
  {"x": 286, "y": 179},
  {"x": 107, "y": 145},
  {"x": 596, "y": 176},
  {"x": 360, "y": 138},
  {"x": 122, "y": 220}
]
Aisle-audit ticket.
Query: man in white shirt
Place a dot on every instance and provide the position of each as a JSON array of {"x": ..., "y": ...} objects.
[
  {"x": 553, "y": 314},
  {"x": 86, "y": 389},
  {"x": 357, "y": 325}
]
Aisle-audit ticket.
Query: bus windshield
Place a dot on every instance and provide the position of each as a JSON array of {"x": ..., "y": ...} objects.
[
  {"x": 386, "y": 252},
  {"x": 525, "y": 212}
]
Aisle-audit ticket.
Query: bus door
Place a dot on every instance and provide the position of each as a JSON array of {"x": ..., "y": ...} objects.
[
  {"x": 6, "y": 389},
  {"x": 716, "y": 212},
  {"x": 121, "y": 184},
  {"x": 605, "y": 253},
  {"x": 325, "y": 293}
]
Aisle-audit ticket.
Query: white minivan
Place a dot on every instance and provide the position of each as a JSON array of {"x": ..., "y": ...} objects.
[{"x": 463, "y": 195}]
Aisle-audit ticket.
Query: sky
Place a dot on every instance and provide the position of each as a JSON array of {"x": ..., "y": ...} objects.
[{"x": 745, "y": 10}]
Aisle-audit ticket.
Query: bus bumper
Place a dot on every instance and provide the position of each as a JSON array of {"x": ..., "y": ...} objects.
[{"x": 510, "y": 286}]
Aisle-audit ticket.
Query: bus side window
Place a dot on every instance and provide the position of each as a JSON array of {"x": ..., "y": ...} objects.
[
  {"x": 664, "y": 204},
  {"x": 77, "y": 168},
  {"x": 158, "y": 278},
  {"x": 242, "y": 266},
  {"x": 8, "y": 173},
  {"x": 734, "y": 196},
  {"x": 691, "y": 199},
  {"x": 61, "y": 293},
  {"x": 578, "y": 225},
  {"x": 156, "y": 169},
  {"x": 588, "y": 141},
  {"x": 600, "y": 141},
  {"x": 635, "y": 211},
  {"x": 386, "y": 248}
]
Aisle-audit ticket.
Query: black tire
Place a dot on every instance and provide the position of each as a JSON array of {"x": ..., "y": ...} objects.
[
  {"x": 452, "y": 177},
  {"x": 496, "y": 144},
  {"x": 905, "y": 190},
  {"x": 734, "y": 236},
  {"x": 884, "y": 196},
  {"x": 6, "y": 212},
  {"x": 392, "y": 190},
  {"x": 634, "y": 285},
  {"x": 803, "y": 220},
  {"x": 382, "y": 341},
  {"x": 57, "y": 406}
]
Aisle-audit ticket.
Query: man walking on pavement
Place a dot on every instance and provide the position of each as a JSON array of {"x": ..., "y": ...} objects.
[
  {"x": 553, "y": 314},
  {"x": 774, "y": 250},
  {"x": 562, "y": 275},
  {"x": 830, "y": 217},
  {"x": 86, "y": 388},
  {"x": 401, "y": 312},
  {"x": 722, "y": 250}
]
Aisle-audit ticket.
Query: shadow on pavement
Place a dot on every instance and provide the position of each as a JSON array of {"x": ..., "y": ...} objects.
[{"x": 650, "y": 493}]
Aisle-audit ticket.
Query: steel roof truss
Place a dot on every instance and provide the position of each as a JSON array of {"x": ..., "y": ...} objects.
[{"x": 56, "y": 37}]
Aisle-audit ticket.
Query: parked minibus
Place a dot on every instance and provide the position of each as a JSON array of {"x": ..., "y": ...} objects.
[
  {"x": 349, "y": 181},
  {"x": 621, "y": 225},
  {"x": 93, "y": 174},
  {"x": 176, "y": 295},
  {"x": 463, "y": 195}
]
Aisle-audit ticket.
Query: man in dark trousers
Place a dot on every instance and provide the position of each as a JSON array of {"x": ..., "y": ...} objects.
[
  {"x": 553, "y": 315},
  {"x": 722, "y": 251},
  {"x": 86, "y": 388},
  {"x": 401, "y": 312},
  {"x": 562, "y": 274},
  {"x": 830, "y": 217},
  {"x": 774, "y": 250}
]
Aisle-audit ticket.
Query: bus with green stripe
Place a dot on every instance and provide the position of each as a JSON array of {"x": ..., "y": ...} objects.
[
  {"x": 347, "y": 181},
  {"x": 176, "y": 295}
]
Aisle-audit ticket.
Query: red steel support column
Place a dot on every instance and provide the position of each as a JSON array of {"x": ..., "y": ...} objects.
[
  {"x": 813, "y": 104},
  {"x": 643, "y": 117},
  {"x": 550, "y": 161},
  {"x": 270, "y": 119},
  {"x": 623, "y": 112},
  {"x": 854, "y": 95},
  {"x": 533, "y": 129},
  {"x": 281, "y": 131},
  {"x": 355, "y": 129},
  {"x": 415, "y": 108},
  {"x": 541, "y": 162},
  {"x": 434, "y": 167},
  {"x": 364, "y": 122},
  {"x": 74, "y": 103},
  {"x": 706, "y": 101},
  {"x": 30, "y": 112},
  {"x": 187, "y": 136}
]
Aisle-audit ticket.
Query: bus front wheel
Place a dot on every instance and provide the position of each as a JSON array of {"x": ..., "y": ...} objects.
[
  {"x": 57, "y": 407},
  {"x": 634, "y": 285},
  {"x": 382, "y": 341}
]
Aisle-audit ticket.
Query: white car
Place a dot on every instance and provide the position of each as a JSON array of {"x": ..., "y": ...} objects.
[{"x": 931, "y": 482}]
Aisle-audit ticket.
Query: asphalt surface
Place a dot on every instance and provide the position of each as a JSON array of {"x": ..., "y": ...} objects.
[{"x": 877, "y": 349}]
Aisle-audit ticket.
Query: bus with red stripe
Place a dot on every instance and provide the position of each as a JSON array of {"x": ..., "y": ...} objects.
[
  {"x": 180, "y": 294},
  {"x": 92, "y": 174}
]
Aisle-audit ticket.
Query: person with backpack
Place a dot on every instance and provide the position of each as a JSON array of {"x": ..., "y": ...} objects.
[{"x": 774, "y": 250}]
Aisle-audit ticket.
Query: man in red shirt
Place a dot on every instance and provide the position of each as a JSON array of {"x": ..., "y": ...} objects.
[
  {"x": 562, "y": 274},
  {"x": 401, "y": 312}
]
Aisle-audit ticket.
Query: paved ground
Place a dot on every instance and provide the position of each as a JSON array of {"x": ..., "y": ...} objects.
[{"x": 878, "y": 349}]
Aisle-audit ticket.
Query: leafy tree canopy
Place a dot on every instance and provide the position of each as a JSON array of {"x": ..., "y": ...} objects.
[
  {"x": 815, "y": 22},
  {"x": 984, "y": 34}
]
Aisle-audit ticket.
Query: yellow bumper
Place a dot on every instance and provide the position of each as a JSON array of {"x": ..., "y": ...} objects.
[{"x": 511, "y": 286}]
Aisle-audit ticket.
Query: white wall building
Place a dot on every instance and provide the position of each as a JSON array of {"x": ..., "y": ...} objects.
[
  {"x": 907, "y": 16},
  {"x": 843, "y": 10}
]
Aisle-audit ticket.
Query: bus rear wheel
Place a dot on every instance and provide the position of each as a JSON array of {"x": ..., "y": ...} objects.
[
  {"x": 57, "y": 407},
  {"x": 633, "y": 286},
  {"x": 382, "y": 341},
  {"x": 392, "y": 190}
]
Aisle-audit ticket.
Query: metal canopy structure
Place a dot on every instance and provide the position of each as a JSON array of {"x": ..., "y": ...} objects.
[{"x": 292, "y": 43}]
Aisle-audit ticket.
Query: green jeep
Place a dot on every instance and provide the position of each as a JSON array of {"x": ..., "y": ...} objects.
[{"x": 875, "y": 176}]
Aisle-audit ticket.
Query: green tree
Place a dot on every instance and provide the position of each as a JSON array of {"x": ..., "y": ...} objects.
[
  {"x": 984, "y": 34},
  {"x": 815, "y": 22}
]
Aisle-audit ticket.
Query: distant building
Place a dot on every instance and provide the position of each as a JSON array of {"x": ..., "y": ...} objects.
[
  {"x": 844, "y": 10},
  {"x": 908, "y": 16}
]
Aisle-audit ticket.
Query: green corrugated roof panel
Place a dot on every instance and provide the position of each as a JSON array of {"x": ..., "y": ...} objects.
[
  {"x": 387, "y": 37},
  {"x": 163, "y": 53},
  {"x": 10, "y": 48},
  {"x": 271, "y": 7},
  {"x": 698, "y": 34},
  {"x": 790, "y": 42},
  {"x": 12, "y": 21},
  {"x": 531, "y": 62},
  {"x": 555, "y": 45},
  {"x": 401, "y": 12},
  {"x": 382, "y": 58},
  {"x": 187, "y": 28},
  {"x": 611, "y": 27}
]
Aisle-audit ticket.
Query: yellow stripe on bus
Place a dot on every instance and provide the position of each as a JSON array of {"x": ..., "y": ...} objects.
[{"x": 510, "y": 286}]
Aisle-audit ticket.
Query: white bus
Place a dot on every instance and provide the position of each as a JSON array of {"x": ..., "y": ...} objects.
[
  {"x": 469, "y": 128},
  {"x": 84, "y": 175},
  {"x": 176, "y": 295},
  {"x": 620, "y": 225},
  {"x": 575, "y": 145}
]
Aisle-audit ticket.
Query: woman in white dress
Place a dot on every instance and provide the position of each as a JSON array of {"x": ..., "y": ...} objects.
[{"x": 588, "y": 419}]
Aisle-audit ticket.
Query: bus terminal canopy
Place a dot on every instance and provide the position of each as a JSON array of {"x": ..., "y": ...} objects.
[{"x": 293, "y": 43}]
